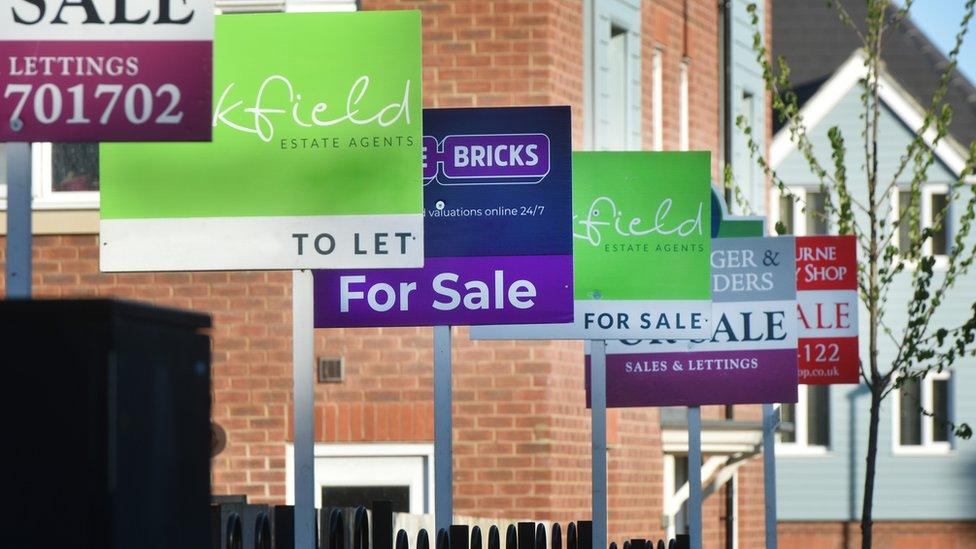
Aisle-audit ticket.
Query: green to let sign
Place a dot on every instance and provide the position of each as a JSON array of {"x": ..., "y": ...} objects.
[{"x": 315, "y": 160}]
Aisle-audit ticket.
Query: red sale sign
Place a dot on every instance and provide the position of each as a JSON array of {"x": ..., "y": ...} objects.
[
  {"x": 826, "y": 300},
  {"x": 106, "y": 70}
]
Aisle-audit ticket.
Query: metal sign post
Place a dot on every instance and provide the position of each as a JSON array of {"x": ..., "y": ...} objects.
[
  {"x": 443, "y": 430},
  {"x": 303, "y": 345},
  {"x": 598, "y": 390},
  {"x": 694, "y": 477},
  {"x": 770, "y": 423},
  {"x": 18, "y": 220}
]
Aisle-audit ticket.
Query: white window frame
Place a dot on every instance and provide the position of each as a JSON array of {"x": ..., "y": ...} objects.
[
  {"x": 370, "y": 464},
  {"x": 801, "y": 447},
  {"x": 42, "y": 185},
  {"x": 657, "y": 99},
  {"x": 928, "y": 447},
  {"x": 926, "y": 190},
  {"x": 599, "y": 18},
  {"x": 683, "y": 115}
]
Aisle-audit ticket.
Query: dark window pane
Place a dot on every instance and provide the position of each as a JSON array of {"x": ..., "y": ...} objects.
[
  {"x": 911, "y": 417},
  {"x": 787, "y": 414},
  {"x": 816, "y": 210},
  {"x": 74, "y": 167},
  {"x": 818, "y": 415},
  {"x": 786, "y": 212},
  {"x": 940, "y": 409},
  {"x": 940, "y": 239},
  {"x": 354, "y": 496},
  {"x": 904, "y": 201}
]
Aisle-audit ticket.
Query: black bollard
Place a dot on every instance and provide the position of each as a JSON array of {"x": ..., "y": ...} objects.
[
  {"x": 557, "y": 536},
  {"x": 382, "y": 525},
  {"x": 540, "y": 536},
  {"x": 475, "y": 537},
  {"x": 234, "y": 538},
  {"x": 283, "y": 525},
  {"x": 526, "y": 535},
  {"x": 584, "y": 534},
  {"x": 458, "y": 536},
  {"x": 511, "y": 537},
  {"x": 337, "y": 530},
  {"x": 262, "y": 531},
  {"x": 494, "y": 538}
]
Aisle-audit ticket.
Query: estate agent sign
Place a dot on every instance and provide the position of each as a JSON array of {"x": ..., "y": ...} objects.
[
  {"x": 750, "y": 356},
  {"x": 497, "y": 229},
  {"x": 106, "y": 70},
  {"x": 315, "y": 160},
  {"x": 641, "y": 233},
  {"x": 826, "y": 284}
]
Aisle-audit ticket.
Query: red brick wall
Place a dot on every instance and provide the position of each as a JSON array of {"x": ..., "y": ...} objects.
[
  {"x": 521, "y": 431},
  {"x": 890, "y": 535}
]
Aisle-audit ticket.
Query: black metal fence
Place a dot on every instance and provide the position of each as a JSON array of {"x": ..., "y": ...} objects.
[{"x": 238, "y": 525}]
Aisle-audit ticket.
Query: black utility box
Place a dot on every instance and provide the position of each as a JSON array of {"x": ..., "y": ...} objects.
[{"x": 108, "y": 425}]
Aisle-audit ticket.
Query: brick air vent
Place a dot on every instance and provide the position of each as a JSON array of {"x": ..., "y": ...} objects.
[{"x": 330, "y": 370}]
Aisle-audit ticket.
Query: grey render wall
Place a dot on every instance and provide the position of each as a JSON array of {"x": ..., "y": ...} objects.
[{"x": 940, "y": 487}]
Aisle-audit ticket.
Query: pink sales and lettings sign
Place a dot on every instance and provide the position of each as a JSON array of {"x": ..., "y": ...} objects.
[{"x": 106, "y": 70}]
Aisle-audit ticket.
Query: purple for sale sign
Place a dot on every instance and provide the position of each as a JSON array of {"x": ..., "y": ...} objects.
[
  {"x": 106, "y": 70},
  {"x": 497, "y": 229}
]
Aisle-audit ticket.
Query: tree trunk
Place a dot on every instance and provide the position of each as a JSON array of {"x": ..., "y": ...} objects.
[{"x": 872, "y": 458}]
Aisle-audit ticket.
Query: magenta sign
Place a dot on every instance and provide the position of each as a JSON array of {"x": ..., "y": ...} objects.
[{"x": 106, "y": 70}]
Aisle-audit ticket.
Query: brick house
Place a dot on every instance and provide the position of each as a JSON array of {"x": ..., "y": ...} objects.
[{"x": 638, "y": 75}]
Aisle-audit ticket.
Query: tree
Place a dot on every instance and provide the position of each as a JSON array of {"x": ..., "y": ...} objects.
[{"x": 920, "y": 345}]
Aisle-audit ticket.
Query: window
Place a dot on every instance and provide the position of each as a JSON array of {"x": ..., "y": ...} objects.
[
  {"x": 613, "y": 75},
  {"x": 804, "y": 212},
  {"x": 657, "y": 100},
  {"x": 815, "y": 211},
  {"x": 932, "y": 199},
  {"x": 616, "y": 138},
  {"x": 747, "y": 172},
  {"x": 65, "y": 175},
  {"x": 683, "y": 106},
  {"x": 922, "y": 412},
  {"x": 810, "y": 417},
  {"x": 358, "y": 473},
  {"x": 786, "y": 214}
]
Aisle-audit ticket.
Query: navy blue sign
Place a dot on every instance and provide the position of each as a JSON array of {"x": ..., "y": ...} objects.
[
  {"x": 498, "y": 239},
  {"x": 498, "y": 182}
]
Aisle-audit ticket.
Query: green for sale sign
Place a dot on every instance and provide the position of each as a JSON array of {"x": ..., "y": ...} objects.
[
  {"x": 642, "y": 239},
  {"x": 315, "y": 160}
]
